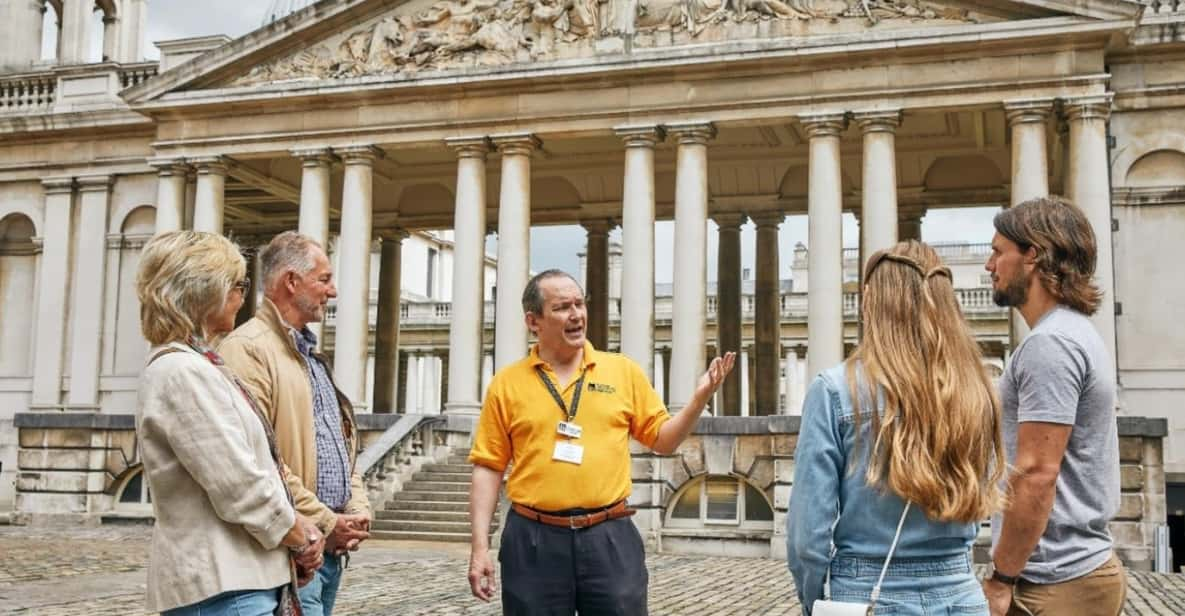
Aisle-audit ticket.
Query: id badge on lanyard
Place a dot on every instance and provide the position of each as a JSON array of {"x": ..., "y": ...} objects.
[{"x": 565, "y": 449}]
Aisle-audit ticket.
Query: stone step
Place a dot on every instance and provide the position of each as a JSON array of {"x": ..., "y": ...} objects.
[
  {"x": 459, "y": 459},
  {"x": 422, "y": 526},
  {"x": 413, "y": 505},
  {"x": 439, "y": 476},
  {"x": 436, "y": 486},
  {"x": 418, "y": 536},
  {"x": 409, "y": 496},
  {"x": 426, "y": 516},
  {"x": 448, "y": 468}
]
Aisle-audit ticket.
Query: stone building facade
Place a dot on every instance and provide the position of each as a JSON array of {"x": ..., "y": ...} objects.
[{"x": 367, "y": 120}]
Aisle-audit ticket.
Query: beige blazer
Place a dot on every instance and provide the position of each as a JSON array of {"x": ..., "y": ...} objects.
[
  {"x": 221, "y": 510},
  {"x": 263, "y": 355}
]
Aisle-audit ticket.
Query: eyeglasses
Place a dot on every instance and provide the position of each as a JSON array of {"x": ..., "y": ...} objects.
[{"x": 242, "y": 285}]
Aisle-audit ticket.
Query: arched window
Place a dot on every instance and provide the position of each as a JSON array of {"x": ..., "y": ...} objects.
[
  {"x": 133, "y": 493},
  {"x": 720, "y": 500}
]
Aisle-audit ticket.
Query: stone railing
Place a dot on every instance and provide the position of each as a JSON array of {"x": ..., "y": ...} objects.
[
  {"x": 135, "y": 74},
  {"x": 389, "y": 457},
  {"x": 28, "y": 93},
  {"x": 1162, "y": 7}
]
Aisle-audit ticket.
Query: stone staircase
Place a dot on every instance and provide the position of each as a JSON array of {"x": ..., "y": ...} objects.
[{"x": 433, "y": 506}]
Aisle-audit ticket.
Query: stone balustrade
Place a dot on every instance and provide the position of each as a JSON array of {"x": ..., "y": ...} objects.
[
  {"x": 33, "y": 93},
  {"x": 135, "y": 74}
]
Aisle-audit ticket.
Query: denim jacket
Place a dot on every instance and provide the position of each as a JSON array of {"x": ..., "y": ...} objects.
[{"x": 825, "y": 486}]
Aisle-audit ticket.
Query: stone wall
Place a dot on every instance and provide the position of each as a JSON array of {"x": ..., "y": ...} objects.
[{"x": 760, "y": 451}]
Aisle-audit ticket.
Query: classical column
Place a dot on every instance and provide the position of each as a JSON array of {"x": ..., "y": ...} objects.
[
  {"x": 596, "y": 282},
  {"x": 52, "y": 283},
  {"x": 22, "y": 20},
  {"x": 86, "y": 294},
  {"x": 689, "y": 298},
  {"x": 412, "y": 388},
  {"x": 637, "y": 245},
  {"x": 1030, "y": 169},
  {"x": 386, "y": 335},
  {"x": 514, "y": 246},
  {"x": 728, "y": 305},
  {"x": 1089, "y": 188},
  {"x": 469, "y": 231},
  {"x": 825, "y": 237},
  {"x": 170, "y": 193},
  {"x": 351, "y": 327},
  {"x": 1030, "y": 166},
  {"x": 74, "y": 38},
  {"x": 211, "y": 193},
  {"x": 878, "y": 227},
  {"x": 767, "y": 322},
  {"x": 743, "y": 367},
  {"x": 314, "y": 193},
  {"x": 909, "y": 225}
]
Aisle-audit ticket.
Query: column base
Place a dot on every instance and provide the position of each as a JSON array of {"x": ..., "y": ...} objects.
[{"x": 462, "y": 408}]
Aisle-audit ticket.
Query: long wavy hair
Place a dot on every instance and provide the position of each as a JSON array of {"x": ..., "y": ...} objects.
[
  {"x": 937, "y": 442},
  {"x": 1066, "y": 248}
]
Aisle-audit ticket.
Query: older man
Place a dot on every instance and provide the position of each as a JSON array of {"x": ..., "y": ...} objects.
[
  {"x": 275, "y": 355},
  {"x": 564, "y": 415}
]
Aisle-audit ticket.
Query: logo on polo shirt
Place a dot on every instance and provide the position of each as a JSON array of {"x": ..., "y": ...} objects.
[{"x": 601, "y": 388}]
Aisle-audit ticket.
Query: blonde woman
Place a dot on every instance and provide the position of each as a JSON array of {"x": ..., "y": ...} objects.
[
  {"x": 910, "y": 418},
  {"x": 225, "y": 525}
]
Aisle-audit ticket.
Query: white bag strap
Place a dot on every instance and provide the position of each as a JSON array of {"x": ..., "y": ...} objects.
[{"x": 876, "y": 590}]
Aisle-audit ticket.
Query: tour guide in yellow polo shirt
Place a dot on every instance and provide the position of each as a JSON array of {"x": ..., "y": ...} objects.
[{"x": 563, "y": 416}]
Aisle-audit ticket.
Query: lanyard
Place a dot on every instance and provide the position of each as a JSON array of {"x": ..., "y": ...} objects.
[{"x": 555, "y": 394}]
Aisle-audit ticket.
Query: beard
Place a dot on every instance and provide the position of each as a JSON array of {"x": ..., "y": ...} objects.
[
  {"x": 1014, "y": 294},
  {"x": 310, "y": 310}
]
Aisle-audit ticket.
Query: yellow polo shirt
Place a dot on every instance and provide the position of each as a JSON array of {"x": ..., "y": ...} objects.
[{"x": 519, "y": 423}]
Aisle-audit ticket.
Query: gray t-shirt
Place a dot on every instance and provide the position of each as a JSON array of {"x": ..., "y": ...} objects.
[{"x": 1057, "y": 375}]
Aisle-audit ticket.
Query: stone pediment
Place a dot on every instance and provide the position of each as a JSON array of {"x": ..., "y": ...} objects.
[{"x": 402, "y": 39}]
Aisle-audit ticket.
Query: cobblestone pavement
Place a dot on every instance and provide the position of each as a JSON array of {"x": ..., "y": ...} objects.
[{"x": 100, "y": 572}]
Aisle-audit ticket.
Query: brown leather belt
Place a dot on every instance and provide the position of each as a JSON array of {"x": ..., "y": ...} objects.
[{"x": 580, "y": 520}]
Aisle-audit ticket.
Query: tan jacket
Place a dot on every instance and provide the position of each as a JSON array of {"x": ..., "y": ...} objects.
[
  {"x": 264, "y": 356},
  {"x": 221, "y": 510}
]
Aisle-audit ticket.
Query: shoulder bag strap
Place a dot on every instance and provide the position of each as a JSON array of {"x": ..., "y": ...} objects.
[{"x": 876, "y": 590}]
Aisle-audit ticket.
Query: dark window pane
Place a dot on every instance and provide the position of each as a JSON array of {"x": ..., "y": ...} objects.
[
  {"x": 722, "y": 499},
  {"x": 756, "y": 507},
  {"x": 131, "y": 492},
  {"x": 688, "y": 506}
]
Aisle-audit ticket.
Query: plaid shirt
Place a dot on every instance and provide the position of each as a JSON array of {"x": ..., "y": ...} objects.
[{"x": 333, "y": 461}]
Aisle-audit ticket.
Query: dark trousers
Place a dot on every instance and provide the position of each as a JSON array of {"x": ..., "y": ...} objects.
[{"x": 553, "y": 571}]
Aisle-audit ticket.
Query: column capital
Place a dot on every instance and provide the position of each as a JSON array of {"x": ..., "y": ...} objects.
[
  {"x": 395, "y": 234},
  {"x": 521, "y": 144},
  {"x": 1093, "y": 107},
  {"x": 314, "y": 157},
  {"x": 1027, "y": 110},
  {"x": 210, "y": 165},
  {"x": 359, "y": 154},
  {"x": 598, "y": 225},
  {"x": 95, "y": 183},
  {"x": 692, "y": 133},
  {"x": 169, "y": 165},
  {"x": 878, "y": 121},
  {"x": 469, "y": 147},
  {"x": 768, "y": 218},
  {"x": 58, "y": 186},
  {"x": 641, "y": 136},
  {"x": 730, "y": 221},
  {"x": 824, "y": 124}
]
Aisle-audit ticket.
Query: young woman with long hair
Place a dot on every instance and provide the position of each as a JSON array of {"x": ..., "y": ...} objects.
[{"x": 910, "y": 418}]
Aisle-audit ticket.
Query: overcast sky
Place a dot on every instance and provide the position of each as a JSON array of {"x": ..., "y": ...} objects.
[{"x": 551, "y": 246}]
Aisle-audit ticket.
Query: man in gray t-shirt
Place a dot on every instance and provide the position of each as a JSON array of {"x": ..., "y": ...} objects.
[{"x": 1052, "y": 552}]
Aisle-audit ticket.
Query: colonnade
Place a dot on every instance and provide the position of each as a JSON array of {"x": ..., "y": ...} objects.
[{"x": 881, "y": 223}]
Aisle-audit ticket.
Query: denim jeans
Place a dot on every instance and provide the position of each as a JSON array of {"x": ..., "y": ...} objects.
[
  {"x": 318, "y": 596},
  {"x": 233, "y": 603},
  {"x": 921, "y": 587}
]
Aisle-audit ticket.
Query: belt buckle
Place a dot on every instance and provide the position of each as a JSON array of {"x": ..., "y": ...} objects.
[{"x": 572, "y": 521}]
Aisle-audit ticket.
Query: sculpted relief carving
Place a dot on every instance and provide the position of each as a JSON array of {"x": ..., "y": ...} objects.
[{"x": 473, "y": 33}]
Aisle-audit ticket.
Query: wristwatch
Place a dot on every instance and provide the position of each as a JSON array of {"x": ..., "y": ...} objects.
[{"x": 1009, "y": 580}]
